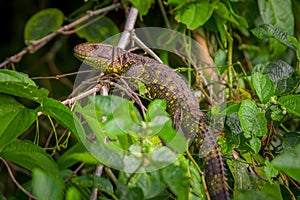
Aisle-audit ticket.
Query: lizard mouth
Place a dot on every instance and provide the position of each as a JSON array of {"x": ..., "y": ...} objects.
[{"x": 78, "y": 56}]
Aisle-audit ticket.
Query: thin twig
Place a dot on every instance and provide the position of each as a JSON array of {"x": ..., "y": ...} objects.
[
  {"x": 294, "y": 183},
  {"x": 89, "y": 81},
  {"x": 15, "y": 181},
  {"x": 81, "y": 96},
  {"x": 144, "y": 47},
  {"x": 111, "y": 175},
  {"x": 163, "y": 12},
  {"x": 74, "y": 172},
  {"x": 200, "y": 172},
  {"x": 67, "y": 32},
  {"x": 135, "y": 97},
  {"x": 59, "y": 76},
  {"x": 129, "y": 92},
  {"x": 78, "y": 97}
]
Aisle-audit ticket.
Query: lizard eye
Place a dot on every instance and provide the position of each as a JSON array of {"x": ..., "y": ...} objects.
[{"x": 96, "y": 46}]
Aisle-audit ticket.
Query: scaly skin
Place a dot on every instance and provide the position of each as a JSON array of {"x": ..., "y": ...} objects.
[{"x": 163, "y": 83}]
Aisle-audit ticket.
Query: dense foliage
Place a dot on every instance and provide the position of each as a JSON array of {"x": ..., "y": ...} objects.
[{"x": 43, "y": 147}]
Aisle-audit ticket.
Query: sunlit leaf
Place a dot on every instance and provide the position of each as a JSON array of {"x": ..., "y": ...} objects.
[
  {"x": 195, "y": 14},
  {"x": 143, "y": 6}
]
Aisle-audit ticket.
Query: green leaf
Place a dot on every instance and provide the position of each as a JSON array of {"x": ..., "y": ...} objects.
[
  {"x": 174, "y": 2},
  {"x": 293, "y": 40},
  {"x": 46, "y": 186},
  {"x": 43, "y": 23},
  {"x": 222, "y": 29},
  {"x": 291, "y": 103},
  {"x": 277, "y": 114},
  {"x": 255, "y": 144},
  {"x": 233, "y": 122},
  {"x": 160, "y": 124},
  {"x": 30, "y": 156},
  {"x": 195, "y": 14},
  {"x": 60, "y": 113},
  {"x": 99, "y": 30},
  {"x": 14, "y": 119},
  {"x": 223, "y": 12},
  {"x": 19, "y": 84},
  {"x": 253, "y": 121},
  {"x": 157, "y": 117},
  {"x": 234, "y": 17},
  {"x": 224, "y": 109},
  {"x": 108, "y": 153},
  {"x": 90, "y": 180},
  {"x": 278, "y": 13},
  {"x": 142, "y": 88},
  {"x": 156, "y": 108},
  {"x": 281, "y": 74},
  {"x": 270, "y": 170},
  {"x": 263, "y": 86},
  {"x": 14, "y": 76},
  {"x": 289, "y": 162},
  {"x": 291, "y": 139},
  {"x": 268, "y": 192},
  {"x": 24, "y": 90},
  {"x": 220, "y": 59},
  {"x": 143, "y": 6},
  {"x": 197, "y": 191},
  {"x": 268, "y": 31},
  {"x": 73, "y": 194},
  {"x": 132, "y": 193},
  {"x": 272, "y": 190},
  {"x": 265, "y": 31},
  {"x": 242, "y": 178},
  {"x": 116, "y": 107},
  {"x": 77, "y": 153},
  {"x": 116, "y": 142},
  {"x": 151, "y": 184},
  {"x": 121, "y": 117},
  {"x": 177, "y": 179}
]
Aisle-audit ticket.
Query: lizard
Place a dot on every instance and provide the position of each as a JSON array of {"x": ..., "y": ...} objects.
[{"x": 163, "y": 82}]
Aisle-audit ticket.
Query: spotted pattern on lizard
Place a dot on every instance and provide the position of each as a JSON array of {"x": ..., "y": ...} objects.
[{"x": 164, "y": 83}]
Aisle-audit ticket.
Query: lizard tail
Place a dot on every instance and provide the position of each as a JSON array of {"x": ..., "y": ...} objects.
[{"x": 215, "y": 175}]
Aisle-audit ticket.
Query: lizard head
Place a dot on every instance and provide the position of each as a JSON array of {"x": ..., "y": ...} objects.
[{"x": 97, "y": 55}]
